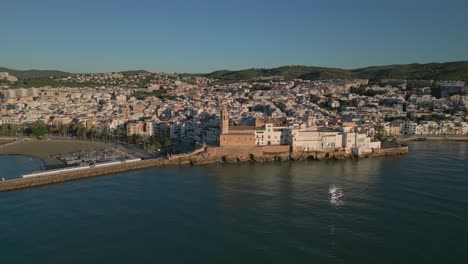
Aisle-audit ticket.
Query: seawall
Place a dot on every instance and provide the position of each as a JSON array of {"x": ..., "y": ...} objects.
[
  {"x": 395, "y": 151},
  {"x": 433, "y": 138},
  {"x": 73, "y": 175},
  {"x": 209, "y": 156}
]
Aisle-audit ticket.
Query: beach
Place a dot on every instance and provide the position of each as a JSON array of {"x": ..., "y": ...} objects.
[
  {"x": 2, "y": 141},
  {"x": 47, "y": 150}
]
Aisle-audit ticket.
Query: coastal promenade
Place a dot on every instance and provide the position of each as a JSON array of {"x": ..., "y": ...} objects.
[{"x": 198, "y": 157}]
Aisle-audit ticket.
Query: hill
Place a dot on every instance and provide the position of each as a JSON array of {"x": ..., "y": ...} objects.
[
  {"x": 432, "y": 71},
  {"x": 30, "y": 74},
  {"x": 133, "y": 72}
]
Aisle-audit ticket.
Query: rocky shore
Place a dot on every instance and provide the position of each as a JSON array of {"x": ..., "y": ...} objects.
[{"x": 209, "y": 156}]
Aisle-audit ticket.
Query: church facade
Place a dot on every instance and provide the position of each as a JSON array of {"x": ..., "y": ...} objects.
[{"x": 234, "y": 137}]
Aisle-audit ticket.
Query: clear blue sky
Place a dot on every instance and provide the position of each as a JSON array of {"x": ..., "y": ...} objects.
[{"x": 207, "y": 35}]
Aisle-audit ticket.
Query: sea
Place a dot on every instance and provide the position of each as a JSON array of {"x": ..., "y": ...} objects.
[{"x": 402, "y": 209}]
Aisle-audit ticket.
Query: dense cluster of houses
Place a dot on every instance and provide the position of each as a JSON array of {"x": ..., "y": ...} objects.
[{"x": 308, "y": 115}]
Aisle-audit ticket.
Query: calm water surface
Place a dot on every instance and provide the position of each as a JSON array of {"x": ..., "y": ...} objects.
[
  {"x": 410, "y": 209},
  {"x": 13, "y": 166}
]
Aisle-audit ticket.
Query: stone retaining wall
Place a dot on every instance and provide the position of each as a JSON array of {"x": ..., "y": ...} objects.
[
  {"x": 387, "y": 152},
  {"x": 211, "y": 155}
]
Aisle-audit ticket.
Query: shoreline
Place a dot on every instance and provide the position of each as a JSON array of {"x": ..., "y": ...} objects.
[
  {"x": 207, "y": 156},
  {"x": 48, "y": 150},
  {"x": 29, "y": 156},
  {"x": 432, "y": 138}
]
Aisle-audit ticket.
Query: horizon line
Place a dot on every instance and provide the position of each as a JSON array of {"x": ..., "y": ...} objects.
[{"x": 240, "y": 69}]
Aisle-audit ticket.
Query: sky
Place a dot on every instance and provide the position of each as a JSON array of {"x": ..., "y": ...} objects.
[{"x": 201, "y": 36}]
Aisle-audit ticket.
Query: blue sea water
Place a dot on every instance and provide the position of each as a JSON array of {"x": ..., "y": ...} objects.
[
  {"x": 13, "y": 166},
  {"x": 405, "y": 209}
]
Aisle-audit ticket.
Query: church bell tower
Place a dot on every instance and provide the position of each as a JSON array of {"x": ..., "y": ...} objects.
[{"x": 224, "y": 120}]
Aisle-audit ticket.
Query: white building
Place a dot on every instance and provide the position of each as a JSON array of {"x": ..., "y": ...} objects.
[
  {"x": 314, "y": 140},
  {"x": 359, "y": 143},
  {"x": 272, "y": 135},
  {"x": 121, "y": 98},
  {"x": 4, "y": 120},
  {"x": 18, "y": 93}
]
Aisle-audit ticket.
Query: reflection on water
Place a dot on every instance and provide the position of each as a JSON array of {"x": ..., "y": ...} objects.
[
  {"x": 410, "y": 209},
  {"x": 336, "y": 195},
  {"x": 297, "y": 183}
]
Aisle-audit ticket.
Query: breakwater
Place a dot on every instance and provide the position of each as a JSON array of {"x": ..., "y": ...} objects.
[
  {"x": 208, "y": 156},
  {"x": 78, "y": 168}
]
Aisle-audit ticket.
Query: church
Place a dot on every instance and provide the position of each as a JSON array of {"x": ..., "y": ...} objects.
[{"x": 234, "y": 136}]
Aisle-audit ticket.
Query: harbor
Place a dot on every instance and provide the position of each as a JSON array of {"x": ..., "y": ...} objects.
[{"x": 202, "y": 156}]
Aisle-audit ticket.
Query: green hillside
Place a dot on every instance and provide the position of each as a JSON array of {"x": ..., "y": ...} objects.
[
  {"x": 31, "y": 74},
  {"x": 434, "y": 71},
  {"x": 430, "y": 71}
]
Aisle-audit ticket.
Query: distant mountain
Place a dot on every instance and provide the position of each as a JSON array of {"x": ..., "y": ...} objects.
[
  {"x": 430, "y": 71},
  {"x": 133, "y": 72},
  {"x": 30, "y": 74}
]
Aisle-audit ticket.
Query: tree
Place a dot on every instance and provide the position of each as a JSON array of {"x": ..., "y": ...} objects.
[
  {"x": 39, "y": 129},
  {"x": 79, "y": 130},
  {"x": 9, "y": 130},
  {"x": 120, "y": 133},
  {"x": 62, "y": 129},
  {"x": 166, "y": 143},
  {"x": 379, "y": 132},
  {"x": 152, "y": 147}
]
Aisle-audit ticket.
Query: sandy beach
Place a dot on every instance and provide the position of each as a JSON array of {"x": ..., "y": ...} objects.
[
  {"x": 4, "y": 141},
  {"x": 46, "y": 150}
]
